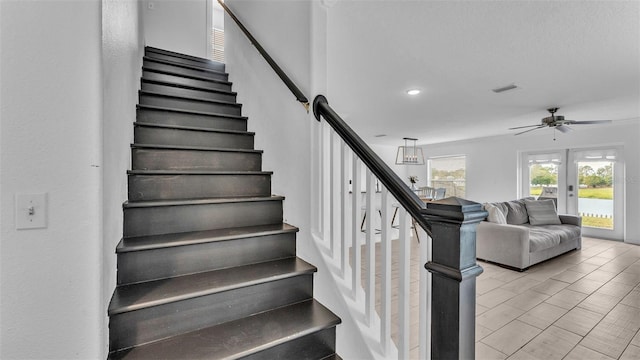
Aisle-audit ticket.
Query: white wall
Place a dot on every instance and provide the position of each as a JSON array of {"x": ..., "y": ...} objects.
[
  {"x": 492, "y": 163},
  {"x": 177, "y": 25},
  {"x": 50, "y": 88},
  {"x": 122, "y": 60},
  {"x": 281, "y": 124}
]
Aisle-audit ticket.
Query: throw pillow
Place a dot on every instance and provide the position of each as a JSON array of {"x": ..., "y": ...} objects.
[
  {"x": 502, "y": 206},
  {"x": 542, "y": 212},
  {"x": 495, "y": 214},
  {"x": 517, "y": 214}
]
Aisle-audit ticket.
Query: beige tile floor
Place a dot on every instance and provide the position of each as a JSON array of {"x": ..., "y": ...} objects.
[{"x": 581, "y": 305}]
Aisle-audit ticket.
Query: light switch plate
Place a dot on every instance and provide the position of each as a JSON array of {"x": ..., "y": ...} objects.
[{"x": 31, "y": 211}]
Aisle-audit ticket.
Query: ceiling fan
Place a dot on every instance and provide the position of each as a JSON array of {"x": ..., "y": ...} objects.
[{"x": 558, "y": 122}]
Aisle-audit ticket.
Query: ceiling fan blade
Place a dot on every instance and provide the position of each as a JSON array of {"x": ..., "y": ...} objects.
[
  {"x": 526, "y": 131},
  {"x": 563, "y": 128},
  {"x": 587, "y": 122},
  {"x": 522, "y": 127}
]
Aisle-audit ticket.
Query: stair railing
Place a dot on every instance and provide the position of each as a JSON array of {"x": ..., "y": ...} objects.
[
  {"x": 445, "y": 230},
  {"x": 283, "y": 76},
  {"x": 366, "y": 228}
]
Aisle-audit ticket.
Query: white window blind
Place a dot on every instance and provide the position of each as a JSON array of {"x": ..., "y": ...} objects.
[
  {"x": 545, "y": 158},
  {"x": 608, "y": 154},
  {"x": 217, "y": 44}
]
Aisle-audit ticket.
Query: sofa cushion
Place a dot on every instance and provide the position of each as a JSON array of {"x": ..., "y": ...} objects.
[
  {"x": 517, "y": 213},
  {"x": 565, "y": 231},
  {"x": 542, "y": 237},
  {"x": 542, "y": 212},
  {"x": 496, "y": 214}
]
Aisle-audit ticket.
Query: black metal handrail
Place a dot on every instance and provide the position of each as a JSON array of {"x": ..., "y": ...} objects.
[
  {"x": 283, "y": 76},
  {"x": 403, "y": 194}
]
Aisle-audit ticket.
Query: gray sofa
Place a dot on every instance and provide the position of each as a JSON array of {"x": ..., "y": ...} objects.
[{"x": 522, "y": 238}]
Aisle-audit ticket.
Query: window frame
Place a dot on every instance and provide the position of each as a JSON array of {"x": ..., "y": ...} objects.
[{"x": 441, "y": 157}]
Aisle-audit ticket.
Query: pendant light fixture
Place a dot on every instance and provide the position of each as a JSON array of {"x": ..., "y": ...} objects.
[{"x": 410, "y": 153}]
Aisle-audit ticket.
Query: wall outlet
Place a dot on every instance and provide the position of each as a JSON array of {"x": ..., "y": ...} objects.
[{"x": 31, "y": 211}]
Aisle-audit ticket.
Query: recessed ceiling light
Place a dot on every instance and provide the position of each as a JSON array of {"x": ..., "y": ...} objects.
[{"x": 413, "y": 91}]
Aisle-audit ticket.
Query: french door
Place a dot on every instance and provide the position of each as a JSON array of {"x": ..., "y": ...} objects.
[
  {"x": 588, "y": 182},
  {"x": 596, "y": 190}
]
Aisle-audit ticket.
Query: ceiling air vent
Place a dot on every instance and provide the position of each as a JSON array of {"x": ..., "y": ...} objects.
[{"x": 504, "y": 88}]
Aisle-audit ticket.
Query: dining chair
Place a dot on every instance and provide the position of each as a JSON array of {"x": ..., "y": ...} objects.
[
  {"x": 439, "y": 193},
  {"x": 396, "y": 206},
  {"x": 427, "y": 192}
]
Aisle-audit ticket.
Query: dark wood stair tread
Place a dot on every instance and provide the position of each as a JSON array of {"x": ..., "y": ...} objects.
[
  {"x": 241, "y": 337},
  {"x": 196, "y": 172},
  {"x": 180, "y": 55},
  {"x": 188, "y": 87},
  {"x": 190, "y": 98},
  {"x": 195, "y": 112},
  {"x": 142, "y": 243},
  {"x": 142, "y": 204},
  {"x": 193, "y": 128},
  {"x": 133, "y": 297},
  {"x": 195, "y": 148},
  {"x": 183, "y": 65},
  {"x": 194, "y": 77}
]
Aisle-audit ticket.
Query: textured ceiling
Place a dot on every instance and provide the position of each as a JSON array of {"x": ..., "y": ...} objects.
[{"x": 581, "y": 56}]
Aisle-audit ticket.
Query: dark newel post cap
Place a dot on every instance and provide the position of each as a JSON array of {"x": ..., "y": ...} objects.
[
  {"x": 454, "y": 209},
  {"x": 453, "y": 221}
]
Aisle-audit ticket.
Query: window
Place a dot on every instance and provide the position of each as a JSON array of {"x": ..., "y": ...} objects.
[
  {"x": 595, "y": 170},
  {"x": 543, "y": 174},
  {"x": 217, "y": 45},
  {"x": 448, "y": 172},
  {"x": 217, "y": 33}
]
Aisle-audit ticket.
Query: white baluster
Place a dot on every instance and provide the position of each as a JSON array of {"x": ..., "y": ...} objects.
[
  {"x": 355, "y": 228},
  {"x": 316, "y": 180},
  {"x": 370, "y": 247},
  {"x": 385, "y": 259},
  {"x": 332, "y": 194},
  {"x": 424, "y": 340},
  {"x": 344, "y": 193},
  {"x": 323, "y": 182},
  {"x": 404, "y": 290}
]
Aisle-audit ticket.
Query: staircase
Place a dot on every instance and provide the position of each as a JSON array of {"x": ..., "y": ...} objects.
[{"x": 206, "y": 268}]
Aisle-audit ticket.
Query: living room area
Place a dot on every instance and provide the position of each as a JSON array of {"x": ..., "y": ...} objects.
[{"x": 581, "y": 303}]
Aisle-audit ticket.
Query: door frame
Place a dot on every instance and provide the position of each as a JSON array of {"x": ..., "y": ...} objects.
[
  {"x": 567, "y": 175},
  {"x": 525, "y": 181},
  {"x": 619, "y": 190}
]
